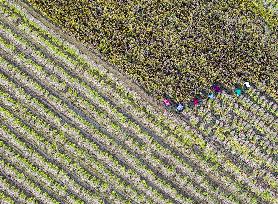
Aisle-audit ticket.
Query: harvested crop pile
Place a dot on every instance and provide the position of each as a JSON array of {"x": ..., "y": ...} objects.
[{"x": 176, "y": 48}]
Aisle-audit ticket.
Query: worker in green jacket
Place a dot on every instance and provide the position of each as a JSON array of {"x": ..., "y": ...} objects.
[{"x": 238, "y": 91}]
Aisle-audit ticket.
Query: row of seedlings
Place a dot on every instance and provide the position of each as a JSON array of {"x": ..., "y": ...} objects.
[
  {"x": 65, "y": 161},
  {"x": 11, "y": 190},
  {"x": 230, "y": 141},
  {"x": 7, "y": 84},
  {"x": 21, "y": 58}
]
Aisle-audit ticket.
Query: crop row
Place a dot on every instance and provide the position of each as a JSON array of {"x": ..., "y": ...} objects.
[
  {"x": 61, "y": 77},
  {"x": 5, "y": 199},
  {"x": 79, "y": 101},
  {"x": 18, "y": 177},
  {"x": 14, "y": 192}
]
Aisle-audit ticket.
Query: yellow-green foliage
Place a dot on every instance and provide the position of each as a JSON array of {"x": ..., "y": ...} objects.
[
  {"x": 177, "y": 47},
  {"x": 267, "y": 9}
]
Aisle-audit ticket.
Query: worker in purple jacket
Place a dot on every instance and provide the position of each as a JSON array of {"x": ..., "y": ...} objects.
[
  {"x": 166, "y": 102},
  {"x": 216, "y": 88}
]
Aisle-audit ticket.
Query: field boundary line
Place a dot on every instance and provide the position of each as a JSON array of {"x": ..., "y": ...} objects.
[{"x": 90, "y": 52}]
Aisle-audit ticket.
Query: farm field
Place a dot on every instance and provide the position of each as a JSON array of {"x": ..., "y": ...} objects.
[
  {"x": 187, "y": 43},
  {"x": 75, "y": 130}
]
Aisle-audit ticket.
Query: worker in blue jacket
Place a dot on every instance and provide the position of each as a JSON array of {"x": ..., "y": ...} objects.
[{"x": 180, "y": 108}]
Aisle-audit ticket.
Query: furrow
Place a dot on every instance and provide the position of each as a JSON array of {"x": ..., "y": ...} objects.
[
  {"x": 14, "y": 192},
  {"x": 55, "y": 110},
  {"x": 18, "y": 177},
  {"x": 80, "y": 113},
  {"x": 53, "y": 188},
  {"x": 45, "y": 74}
]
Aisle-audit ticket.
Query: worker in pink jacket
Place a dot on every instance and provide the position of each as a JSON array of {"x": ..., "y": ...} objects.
[
  {"x": 195, "y": 101},
  {"x": 166, "y": 102}
]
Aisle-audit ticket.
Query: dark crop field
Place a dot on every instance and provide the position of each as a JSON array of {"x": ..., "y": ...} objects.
[
  {"x": 176, "y": 47},
  {"x": 75, "y": 130}
]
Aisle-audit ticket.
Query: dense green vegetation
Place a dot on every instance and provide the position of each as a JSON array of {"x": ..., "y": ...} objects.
[
  {"x": 73, "y": 131},
  {"x": 176, "y": 47}
]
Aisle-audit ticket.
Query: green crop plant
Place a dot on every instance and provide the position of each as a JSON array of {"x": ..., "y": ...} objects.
[
  {"x": 33, "y": 172},
  {"x": 247, "y": 8},
  {"x": 63, "y": 98},
  {"x": 85, "y": 122},
  {"x": 62, "y": 158},
  {"x": 8, "y": 169}
]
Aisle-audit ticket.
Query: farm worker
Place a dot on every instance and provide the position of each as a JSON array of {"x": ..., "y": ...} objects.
[
  {"x": 211, "y": 96},
  {"x": 238, "y": 91},
  {"x": 247, "y": 84},
  {"x": 216, "y": 88},
  {"x": 166, "y": 102},
  {"x": 195, "y": 101},
  {"x": 179, "y": 108}
]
